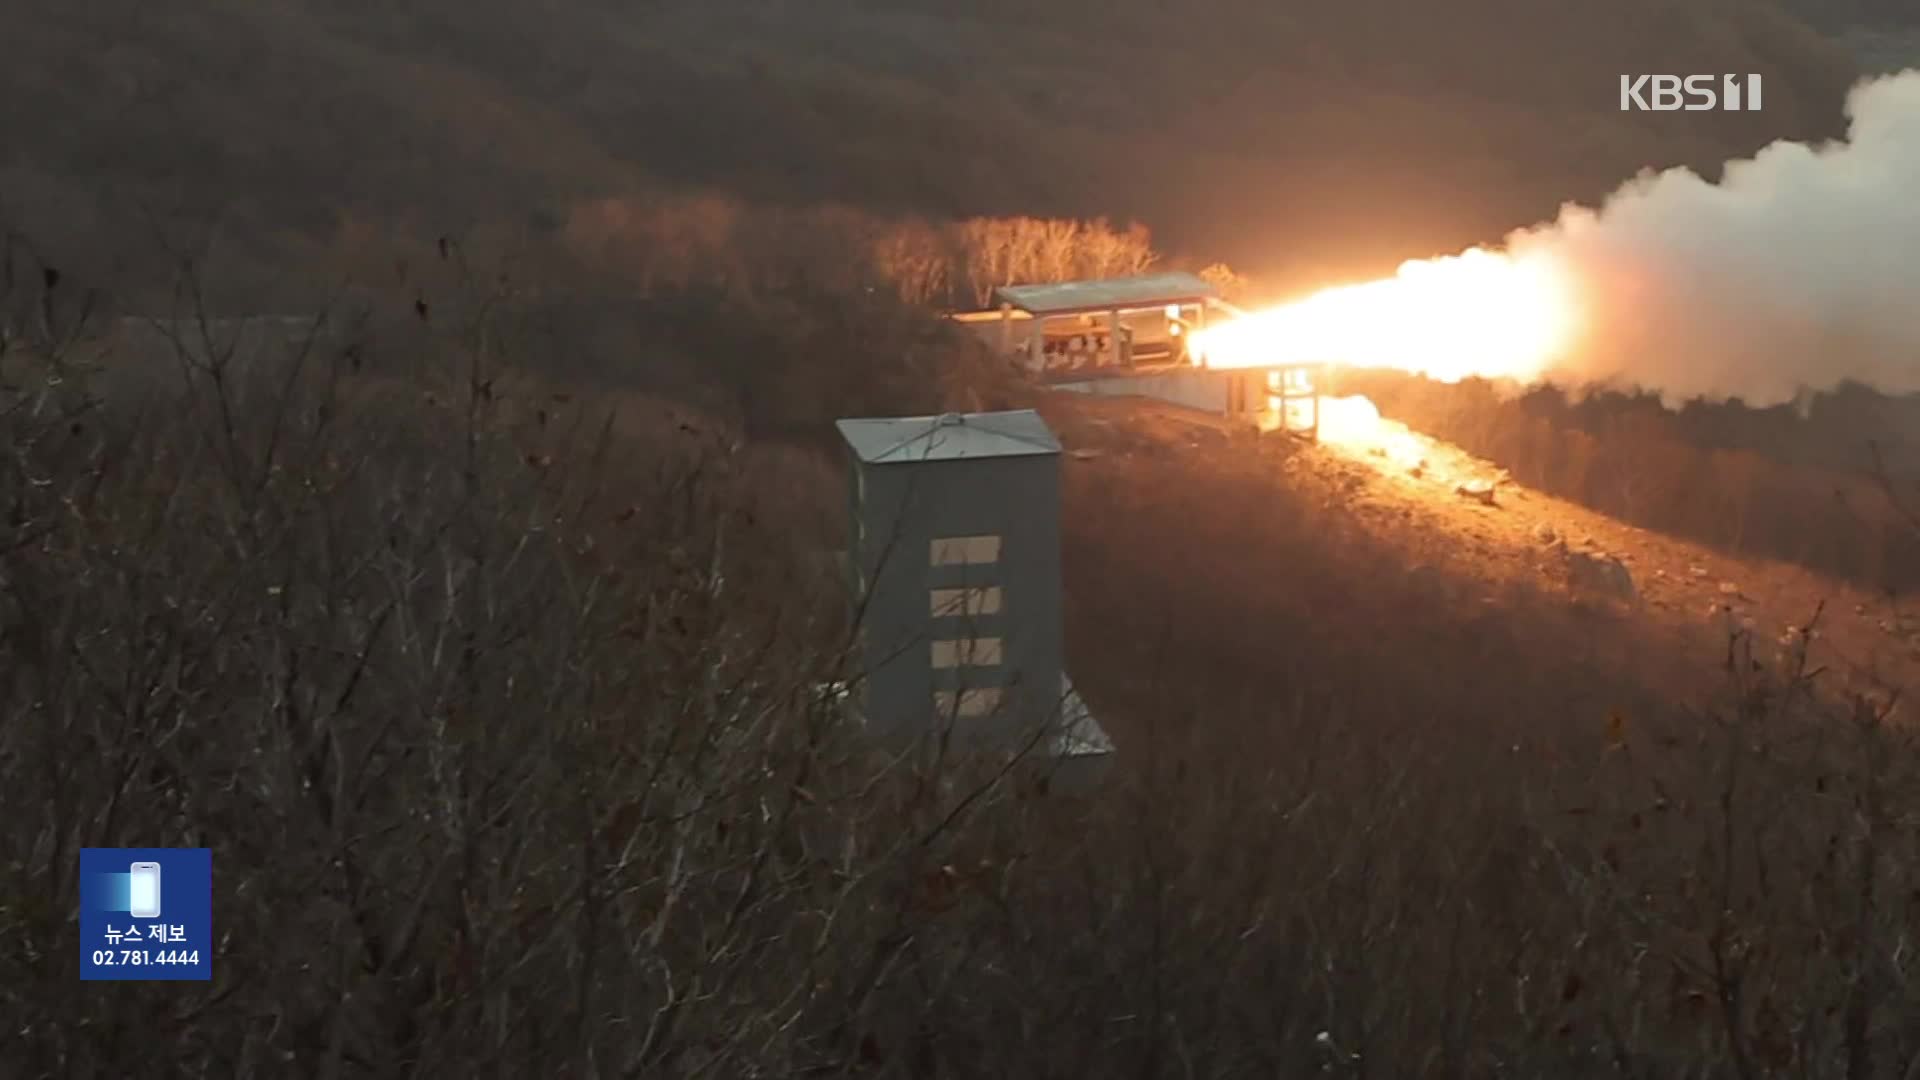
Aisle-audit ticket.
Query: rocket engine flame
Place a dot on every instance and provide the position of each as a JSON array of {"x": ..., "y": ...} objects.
[
  {"x": 1794, "y": 272},
  {"x": 1478, "y": 313}
]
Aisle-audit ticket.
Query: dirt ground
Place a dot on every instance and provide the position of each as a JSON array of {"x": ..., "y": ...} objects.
[{"x": 1671, "y": 611}]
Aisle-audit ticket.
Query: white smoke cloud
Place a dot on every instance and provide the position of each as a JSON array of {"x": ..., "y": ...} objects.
[{"x": 1799, "y": 270}]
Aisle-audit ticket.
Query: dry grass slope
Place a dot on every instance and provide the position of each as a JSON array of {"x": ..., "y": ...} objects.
[{"x": 492, "y": 695}]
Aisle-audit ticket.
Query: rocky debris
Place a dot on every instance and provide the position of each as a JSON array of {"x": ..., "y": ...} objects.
[
  {"x": 1086, "y": 455},
  {"x": 1697, "y": 571},
  {"x": 1731, "y": 618},
  {"x": 1599, "y": 572},
  {"x": 1480, "y": 491},
  {"x": 1544, "y": 533},
  {"x": 1728, "y": 588},
  {"x": 1791, "y": 647}
]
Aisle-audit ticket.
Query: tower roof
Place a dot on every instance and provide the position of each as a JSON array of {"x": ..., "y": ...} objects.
[{"x": 949, "y": 437}]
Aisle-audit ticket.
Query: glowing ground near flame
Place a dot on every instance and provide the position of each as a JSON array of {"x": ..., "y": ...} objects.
[{"x": 1353, "y": 424}]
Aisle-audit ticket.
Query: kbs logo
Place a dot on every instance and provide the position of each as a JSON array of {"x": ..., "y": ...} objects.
[{"x": 1694, "y": 93}]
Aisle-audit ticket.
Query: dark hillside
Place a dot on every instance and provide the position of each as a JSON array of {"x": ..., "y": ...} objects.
[{"x": 1293, "y": 138}]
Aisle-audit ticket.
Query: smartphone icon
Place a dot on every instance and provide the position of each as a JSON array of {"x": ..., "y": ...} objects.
[{"x": 143, "y": 895}]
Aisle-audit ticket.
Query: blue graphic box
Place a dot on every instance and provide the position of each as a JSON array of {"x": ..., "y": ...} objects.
[{"x": 146, "y": 913}]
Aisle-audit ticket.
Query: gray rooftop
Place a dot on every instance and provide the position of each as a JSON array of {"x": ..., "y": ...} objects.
[
  {"x": 1145, "y": 291},
  {"x": 1079, "y": 735},
  {"x": 949, "y": 437}
]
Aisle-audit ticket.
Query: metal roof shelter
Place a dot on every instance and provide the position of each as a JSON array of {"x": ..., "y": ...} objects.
[
  {"x": 1110, "y": 294},
  {"x": 955, "y": 565},
  {"x": 1111, "y": 297}
]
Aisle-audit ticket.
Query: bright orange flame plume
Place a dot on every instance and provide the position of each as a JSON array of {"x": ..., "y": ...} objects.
[{"x": 1478, "y": 313}]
